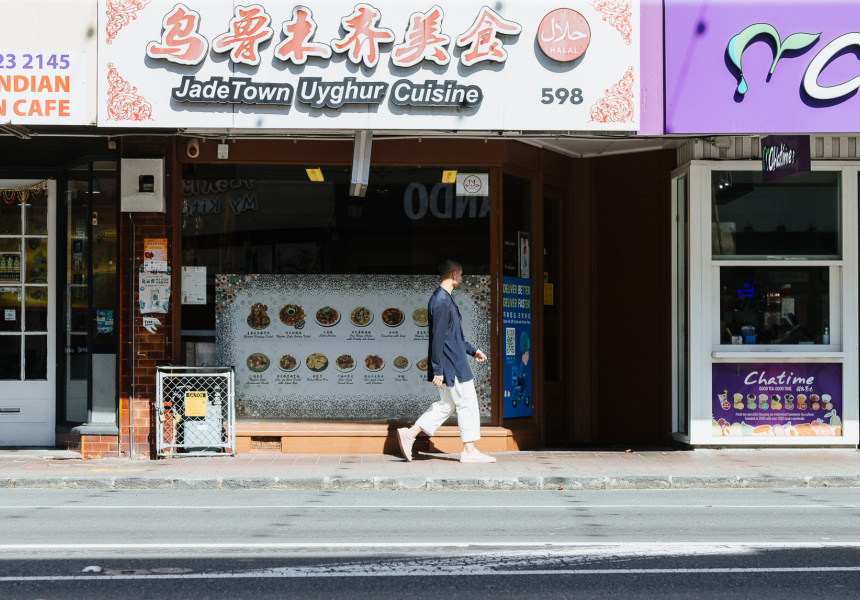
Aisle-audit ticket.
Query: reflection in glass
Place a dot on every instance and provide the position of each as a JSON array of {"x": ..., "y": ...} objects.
[
  {"x": 36, "y": 308},
  {"x": 10, "y": 357},
  {"x": 272, "y": 219},
  {"x": 36, "y": 212},
  {"x": 774, "y": 305},
  {"x": 36, "y": 357},
  {"x": 10, "y": 216},
  {"x": 36, "y": 268},
  {"x": 10, "y": 309},
  {"x": 798, "y": 216}
]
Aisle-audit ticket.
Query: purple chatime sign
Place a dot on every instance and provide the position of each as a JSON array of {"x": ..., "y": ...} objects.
[
  {"x": 776, "y": 399},
  {"x": 772, "y": 66}
]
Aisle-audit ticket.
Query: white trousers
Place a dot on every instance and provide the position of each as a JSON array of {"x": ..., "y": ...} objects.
[{"x": 460, "y": 398}]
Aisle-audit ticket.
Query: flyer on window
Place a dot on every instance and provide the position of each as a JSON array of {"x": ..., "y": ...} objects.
[
  {"x": 777, "y": 399},
  {"x": 517, "y": 391}
]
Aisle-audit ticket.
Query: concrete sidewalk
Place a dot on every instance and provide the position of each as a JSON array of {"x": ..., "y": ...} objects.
[{"x": 535, "y": 470}]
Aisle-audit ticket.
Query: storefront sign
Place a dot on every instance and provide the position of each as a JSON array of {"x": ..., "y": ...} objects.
[
  {"x": 42, "y": 87},
  {"x": 338, "y": 346},
  {"x": 392, "y": 65},
  {"x": 763, "y": 69},
  {"x": 517, "y": 395},
  {"x": 783, "y": 156},
  {"x": 777, "y": 399}
]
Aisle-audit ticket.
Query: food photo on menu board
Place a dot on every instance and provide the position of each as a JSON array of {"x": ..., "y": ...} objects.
[
  {"x": 351, "y": 347},
  {"x": 777, "y": 399}
]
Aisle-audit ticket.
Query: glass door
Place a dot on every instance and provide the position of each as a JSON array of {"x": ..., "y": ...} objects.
[
  {"x": 90, "y": 294},
  {"x": 27, "y": 314},
  {"x": 681, "y": 272}
]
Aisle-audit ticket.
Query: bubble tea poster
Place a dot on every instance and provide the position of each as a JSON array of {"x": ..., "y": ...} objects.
[{"x": 776, "y": 399}]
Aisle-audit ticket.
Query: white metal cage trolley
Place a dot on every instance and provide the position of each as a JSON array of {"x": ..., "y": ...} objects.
[{"x": 196, "y": 411}]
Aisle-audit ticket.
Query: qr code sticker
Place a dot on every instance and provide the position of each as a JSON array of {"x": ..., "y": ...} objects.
[{"x": 510, "y": 341}]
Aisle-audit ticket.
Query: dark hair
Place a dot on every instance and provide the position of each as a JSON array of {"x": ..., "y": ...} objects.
[{"x": 446, "y": 267}]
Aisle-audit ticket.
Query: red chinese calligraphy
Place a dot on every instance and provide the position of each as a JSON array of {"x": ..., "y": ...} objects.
[
  {"x": 180, "y": 41},
  {"x": 423, "y": 40},
  {"x": 362, "y": 39},
  {"x": 297, "y": 45},
  {"x": 249, "y": 28},
  {"x": 481, "y": 38}
]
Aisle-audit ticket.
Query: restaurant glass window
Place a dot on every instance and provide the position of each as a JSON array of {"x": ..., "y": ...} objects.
[
  {"x": 777, "y": 250},
  {"x": 254, "y": 219}
]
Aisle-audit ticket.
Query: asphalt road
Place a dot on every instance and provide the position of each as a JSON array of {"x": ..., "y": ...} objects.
[{"x": 276, "y": 544}]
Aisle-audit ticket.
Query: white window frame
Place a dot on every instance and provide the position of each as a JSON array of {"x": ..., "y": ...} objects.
[{"x": 704, "y": 286}]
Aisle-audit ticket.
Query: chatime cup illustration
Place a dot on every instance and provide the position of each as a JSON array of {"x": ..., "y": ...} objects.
[
  {"x": 751, "y": 401},
  {"x": 789, "y": 402},
  {"x": 762, "y": 401},
  {"x": 801, "y": 401},
  {"x": 775, "y": 404},
  {"x": 826, "y": 401}
]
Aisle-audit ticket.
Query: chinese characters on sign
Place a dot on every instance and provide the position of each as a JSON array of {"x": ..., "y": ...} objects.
[
  {"x": 388, "y": 65},
  {"x": 182, "y": 43}
]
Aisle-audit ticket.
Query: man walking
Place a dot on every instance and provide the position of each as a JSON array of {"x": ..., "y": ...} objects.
[{"x": 449, "y": 371}]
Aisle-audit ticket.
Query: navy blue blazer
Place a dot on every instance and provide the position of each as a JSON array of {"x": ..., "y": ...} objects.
[{"x": 448, "y": 346}]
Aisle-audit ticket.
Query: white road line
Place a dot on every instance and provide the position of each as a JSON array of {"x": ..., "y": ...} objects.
[
  {"x": 431, "y": 572},
  {"x": 418, "y": 545},
  {"x": 435, "y": 506}
]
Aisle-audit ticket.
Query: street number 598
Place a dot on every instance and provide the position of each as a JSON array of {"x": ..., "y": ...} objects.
[{"x": 549, "y": 95}]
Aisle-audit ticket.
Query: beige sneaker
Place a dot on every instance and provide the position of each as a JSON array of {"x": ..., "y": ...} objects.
[
  {"x": 406, "y": 443},
  {"x": 476, "y": 457}
]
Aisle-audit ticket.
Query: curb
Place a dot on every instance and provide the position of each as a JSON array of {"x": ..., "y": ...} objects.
[{"x": 437, "y": 483}]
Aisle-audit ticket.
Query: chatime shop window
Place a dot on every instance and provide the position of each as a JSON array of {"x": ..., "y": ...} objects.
[
  {"x": 798, "y": 217},
  {"x": 777, "y": 258}
]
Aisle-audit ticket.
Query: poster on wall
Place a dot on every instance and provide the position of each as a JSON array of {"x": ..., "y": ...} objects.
[
  {"x": 339, "y": 346},
  {"x": 154, "y": 292},
  {"x": 777, "y": 399},
  {"x": 517, "y": 397},
  {"x": 155, "y": 255}
]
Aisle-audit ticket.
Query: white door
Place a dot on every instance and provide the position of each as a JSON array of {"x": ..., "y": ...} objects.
[{"x": 28, "y": 362}]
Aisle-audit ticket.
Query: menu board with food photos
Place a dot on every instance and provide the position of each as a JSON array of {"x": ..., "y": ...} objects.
[{"x": 350, "y": 347}]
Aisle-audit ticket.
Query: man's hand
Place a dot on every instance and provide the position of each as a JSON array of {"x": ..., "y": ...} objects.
[
  {"x": 480, "y": 356},
  {"x": 438, "y": 380}
]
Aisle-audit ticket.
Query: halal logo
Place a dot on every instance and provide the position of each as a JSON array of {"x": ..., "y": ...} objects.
[
  {"x": 472, "y": 184},
  {"x": 564, "y": 35}
]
